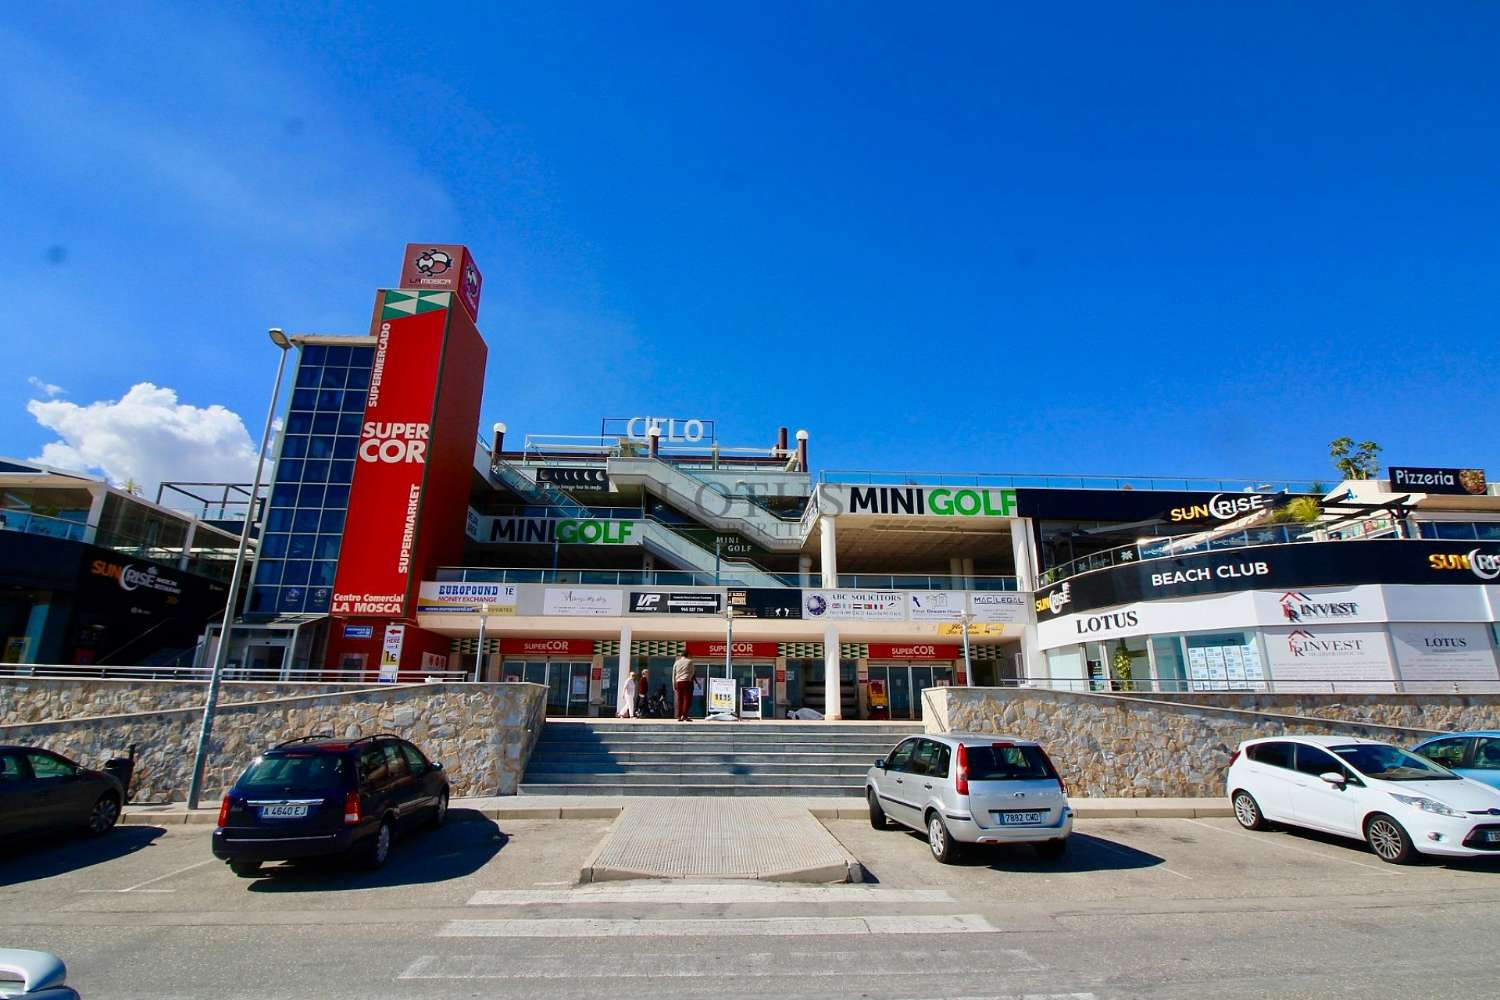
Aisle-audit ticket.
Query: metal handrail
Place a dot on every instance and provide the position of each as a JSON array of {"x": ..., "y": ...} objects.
[
  {"x": 689, "y": 578},
  {"x": 28, "y": 523},
  {"x": 99, "y": 671},
  {"x": 1270, "y": 685},
  {"x": 1207, "y": 484}
]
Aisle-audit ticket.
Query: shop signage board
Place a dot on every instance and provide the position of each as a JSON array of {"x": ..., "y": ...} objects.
[
  {"x": 856, "y": 605},
  {"x": 1321, "y": 605},
  {"x": 597, "y": 479},
  {"x": 713, "y": 649},
  {"x": 546, "y": 647},
  {"x": 977, "y": 630},
  {"x": 935, "y": 605},
  {"x": 1417, "y": 479},
  {"x": 580, "y": 602},
  {"x": 657, "y": 602},
  {"x": 1445, "y": 656},
  {"x": 443, "y": 267},
  {"x": 721, "y": 692},
  {"x": 466, "y": 598},
  {"x": 1009, "y": 608},
  {"x": 765, "y": 602},
  {"x": 916, "y": 501},
  {"x": 561, "y": 530},
  {"x": 359, "y": 631},
  {"x": 915, "y": 651},
  {"x": 1185, "y": 508},
  {"x": 671, "y": 430},
  {"x": 1320, "y": 658},
  {"x": 1284, "y": 568},
  {"x": 390, "y": 652}
]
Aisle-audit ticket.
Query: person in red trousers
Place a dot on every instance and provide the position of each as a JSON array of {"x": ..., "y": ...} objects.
[{"x": 682, "y": 683}]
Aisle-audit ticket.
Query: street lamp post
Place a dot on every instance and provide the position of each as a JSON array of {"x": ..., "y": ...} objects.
[
  {"x": 221, "y": 654},
  {"x": 484, "y": 617},
  {"x": 968, "y": 616}
]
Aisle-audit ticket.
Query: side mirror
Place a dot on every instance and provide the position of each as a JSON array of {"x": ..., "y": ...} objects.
[
  {"x": 880, "y": 762},
  {"x": 436, "y": 766},
  {"x": 1333, "y": 778}
]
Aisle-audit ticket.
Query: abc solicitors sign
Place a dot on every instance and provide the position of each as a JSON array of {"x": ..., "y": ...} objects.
[{"x": 410, "y": 489}]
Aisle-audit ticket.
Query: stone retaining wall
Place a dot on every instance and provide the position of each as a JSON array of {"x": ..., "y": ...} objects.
[
  {"x": 481, "y": 733},
  {"x": 1179, "y": 745}
]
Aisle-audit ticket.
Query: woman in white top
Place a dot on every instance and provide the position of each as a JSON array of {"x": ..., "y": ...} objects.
[{"x": 625, "y": 707}]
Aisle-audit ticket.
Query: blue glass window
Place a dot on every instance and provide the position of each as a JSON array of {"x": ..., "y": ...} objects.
[
  {"x": 325, "y": 423},
  {"x": 333, "y": 378},
  {"x": 304, "y": 399},
  {"x": 263, "y": 599},
  {"x": 301, "y": 546},
  {"x": 288, "y": 470},
  {"x": 345, "y": 447},
  {"x": 322, "y": 574},
  {"x": 293, "y": 446},
  {"x": 312, "y": 496},
  {"x": 306, "y": 520},
  {"x": 268, "y": 571},
  {"x": 317, "y": 599},
  {"x": 327, "y": 548},
  {"x": 329, "y": 399},
  {"x": 285, "y": 494},
  {"x": 333, "y": 521},
  {"x": 342, "y": 472},
  {"x": 338, "y": 496},
  {"x": 273, "y": 546},
  {"x": 296, "y": 572},
  {"x": 292, "y": 598},
  {"x": 280, "y": 519},
  {"x": 314, "y": 354},
  {"x": 337, "y": 356},
  {"x": 308, "y": 377},
  {"x": 299, "y": 423},
  {"x": 354, "y": 401},
  {"x": 319, "y": 446},
  {"x": 359, "y": 378},
  {"x": 314, "y": 471},
  {"x": 362, "y": 357},
  {"x": 349, "y": 423}
]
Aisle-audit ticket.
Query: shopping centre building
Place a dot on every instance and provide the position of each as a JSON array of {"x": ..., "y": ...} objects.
[{"x": 401, "y": 540}]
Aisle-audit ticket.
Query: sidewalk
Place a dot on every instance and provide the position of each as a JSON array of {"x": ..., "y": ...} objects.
[{"x": 608, "y": 807}]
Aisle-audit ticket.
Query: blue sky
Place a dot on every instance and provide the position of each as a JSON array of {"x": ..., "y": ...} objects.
[{"x": 1100, "y": 238}]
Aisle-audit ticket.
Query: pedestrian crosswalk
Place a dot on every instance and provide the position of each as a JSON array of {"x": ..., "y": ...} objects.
[{"x": 667, "y": 939}]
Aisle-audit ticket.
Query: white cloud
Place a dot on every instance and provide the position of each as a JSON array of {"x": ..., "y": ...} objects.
[
  {"x": 147, "y": 436},
  {"x": 48, "y": 388}
]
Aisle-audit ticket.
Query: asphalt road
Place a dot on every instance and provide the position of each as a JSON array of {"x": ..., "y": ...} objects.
[{"x": 1158, "y": 908}]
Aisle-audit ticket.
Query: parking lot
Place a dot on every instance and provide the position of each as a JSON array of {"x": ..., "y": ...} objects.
[{"x": 1137, "y": 907}]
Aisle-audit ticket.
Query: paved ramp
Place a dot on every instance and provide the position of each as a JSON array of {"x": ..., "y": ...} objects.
[{"x": 720, "y": 838}]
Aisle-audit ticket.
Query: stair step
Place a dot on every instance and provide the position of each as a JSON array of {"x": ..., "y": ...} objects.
[
  {"x": 696, "y": 778},
  {"x": 829, "y": 791}
]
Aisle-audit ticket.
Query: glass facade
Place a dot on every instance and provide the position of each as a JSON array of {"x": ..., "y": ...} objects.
[{"x": 304, "y": 525}]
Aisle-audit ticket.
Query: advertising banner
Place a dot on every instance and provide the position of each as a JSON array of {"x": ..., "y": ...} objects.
[
  {"x": 721, "y": 692},
  {"x": 1404, "y": 478},
  {"x": 1454, "y": 656},
  {"x": 546, "y": 647},
  {"x": 713, "y": 649},
  {"x": 935, "y": 605},
  {"x": 562, "y": 530},
  {"x": 859, "y": 605},
  {"x": 1322, "y": 658},
  {"x": 656, "y": 602},
  {"x": 750, "y": 702},
  {"x": 390, "y": 653},
  {"x": 998, "y": 606},
  {"x": 466, "y": 598},
  {"x": 977, "y": 630},
  {"x": 578, "y": 602},
  {"x": 766, "y": 602},
  {"x": 595, "y": 479},
  {"x": 443, "y": 267}
]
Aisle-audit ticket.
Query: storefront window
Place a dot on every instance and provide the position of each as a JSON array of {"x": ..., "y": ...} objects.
[
  {"x": 1224, "y": 661},
  {"x": 1171, "y": 675}
]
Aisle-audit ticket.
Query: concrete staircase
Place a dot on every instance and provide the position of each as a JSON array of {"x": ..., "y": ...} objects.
[{"x": 608, "y": 757}]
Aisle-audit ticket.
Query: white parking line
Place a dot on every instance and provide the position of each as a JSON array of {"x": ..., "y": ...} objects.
[
  {"x": 907, "y": 924},
  {"x": 688, "y": 893},
  {"x": 1261, "y": 839},
  {"x": 158, "y": 878}
]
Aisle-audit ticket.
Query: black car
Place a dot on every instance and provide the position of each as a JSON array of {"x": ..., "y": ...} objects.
[
  {"x": 320, "y": 796},
  {"x": 45, "y": 792}
]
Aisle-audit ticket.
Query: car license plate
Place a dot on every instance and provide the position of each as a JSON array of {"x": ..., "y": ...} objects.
[
  {"x": 282, "y": 812},
  {"x": 1020, "y": 818},
  {"x": 1493, "y": 836}
]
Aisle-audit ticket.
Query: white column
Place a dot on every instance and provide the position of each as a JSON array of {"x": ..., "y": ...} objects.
[
  {"x": 187, "y": 544},
  {"x": 956, "y": 570},
  {"x": 968, "y": 572},
  {"x": 829, "y": 553},
  {"x": 622, "y": 668},
  {"x": 804, "y": 571},
  {"x": 1022, "y": 551},
  {"x": 833, "y": 688}
]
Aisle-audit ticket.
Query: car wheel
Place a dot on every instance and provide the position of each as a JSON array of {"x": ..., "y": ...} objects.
[
  {"x": 940, "y": 840},
  {"x": 1388, "y": 840},
  {"x": 1247, "y": 811},
  {"x": 440, "y": 811},
  {"x": 378, "y": 850},
  {"x": 1051, "y": 850},
  {"x": 245, "y": 869},
  {"x": 104, "y": 815},
  {"x": 877, "y": 814}
]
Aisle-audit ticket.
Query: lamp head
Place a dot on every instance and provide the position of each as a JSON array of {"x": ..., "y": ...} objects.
[{"x": 279, "y": 338}]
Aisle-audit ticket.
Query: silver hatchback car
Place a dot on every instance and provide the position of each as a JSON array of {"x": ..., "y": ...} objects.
[{"x": 971, "y": 788}]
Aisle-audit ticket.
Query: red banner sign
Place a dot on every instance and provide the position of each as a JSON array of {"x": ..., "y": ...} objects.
[
  {"x": 547, "y": 647},
  {"x": 742, "y": 650},
  {"x": 914, "y": 651}
]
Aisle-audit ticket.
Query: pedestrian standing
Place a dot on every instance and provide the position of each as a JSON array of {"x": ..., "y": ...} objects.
[
  {"x": 682, "y": 681},
  {"x": 643, "y": 695},
  {"x": 625, "y": 705}
]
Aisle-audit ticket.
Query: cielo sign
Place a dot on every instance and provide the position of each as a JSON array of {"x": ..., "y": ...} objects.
[
  {"x": 678, "y": 430},
  {"x": 935, "y": 501},
  {"x": 1223, "y": 507}
]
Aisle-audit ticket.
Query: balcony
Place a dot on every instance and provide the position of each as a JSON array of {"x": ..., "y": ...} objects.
[{"x": 688, "y": 578}]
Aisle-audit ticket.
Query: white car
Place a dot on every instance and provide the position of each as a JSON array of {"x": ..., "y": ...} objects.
[{"x": 1398, "y": 803}]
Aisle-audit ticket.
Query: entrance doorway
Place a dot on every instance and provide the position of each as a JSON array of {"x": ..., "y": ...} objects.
[
  {"x": 902, "y": 685},
  {"x": 567, "y": 682}
]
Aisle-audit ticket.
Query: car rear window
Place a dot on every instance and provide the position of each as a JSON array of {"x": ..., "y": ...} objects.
[
  {"x": 991, "y": 762},
  {"x": 311, "y": 771}
]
